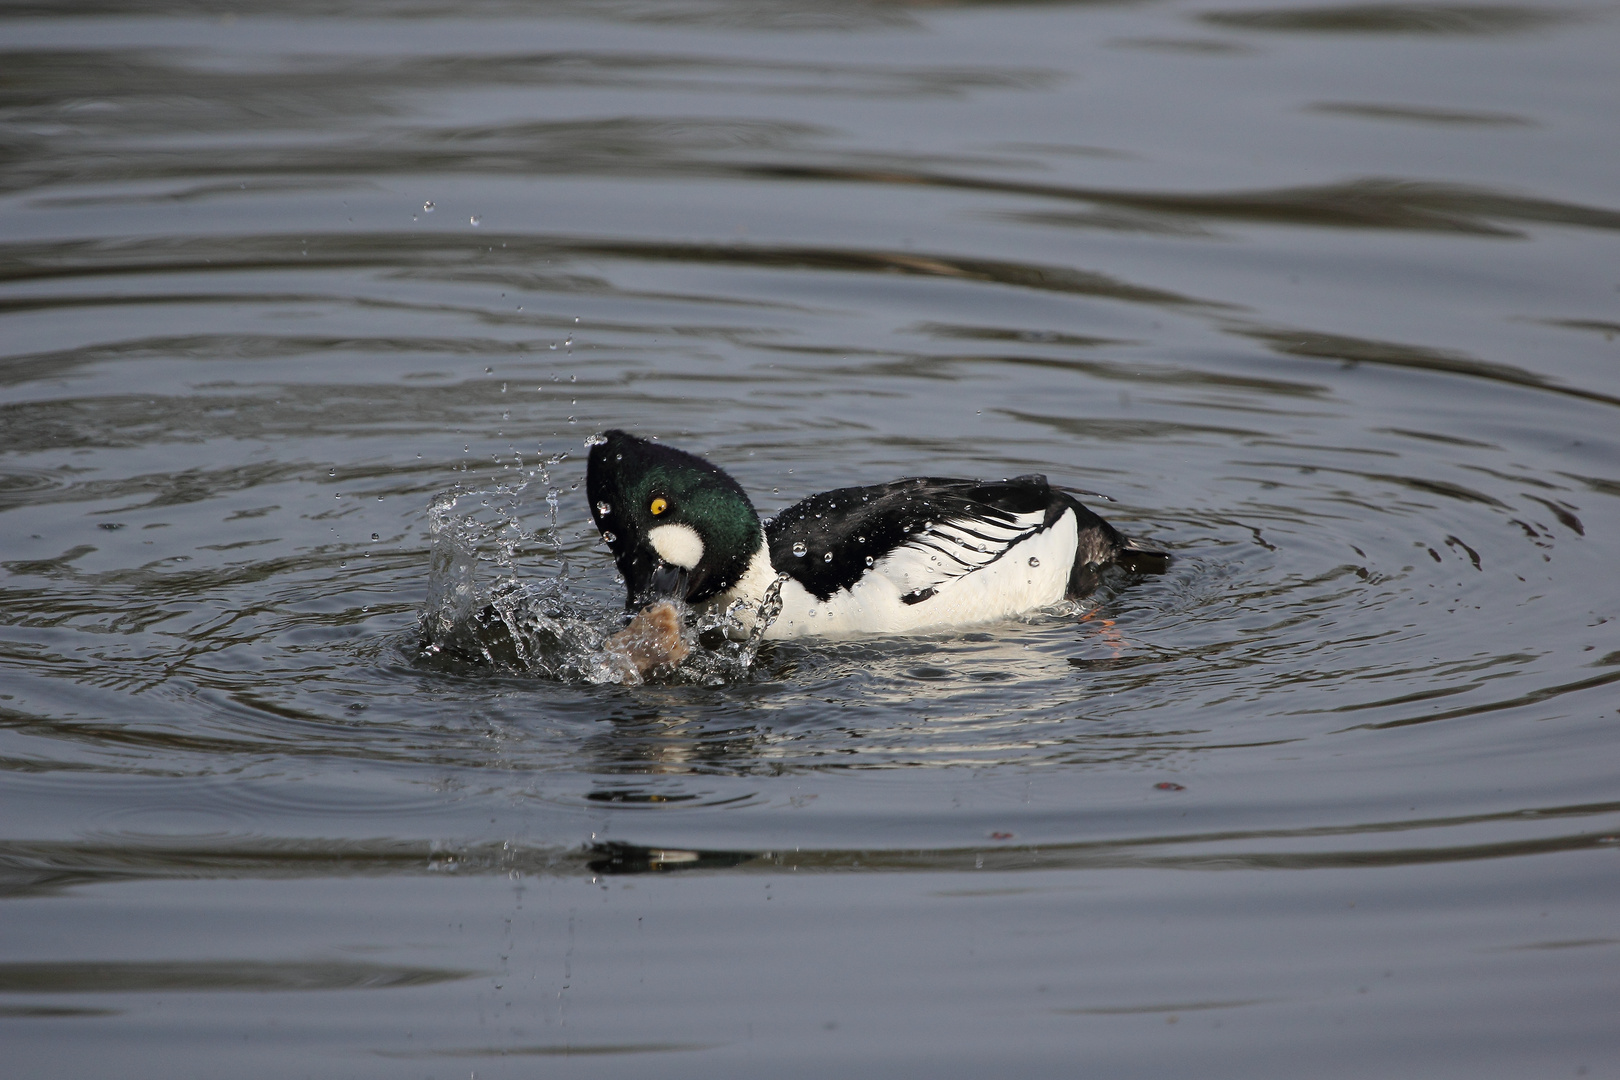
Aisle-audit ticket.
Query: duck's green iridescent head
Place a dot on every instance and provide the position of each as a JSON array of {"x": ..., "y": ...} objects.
[{"x": 677, "y": 525}]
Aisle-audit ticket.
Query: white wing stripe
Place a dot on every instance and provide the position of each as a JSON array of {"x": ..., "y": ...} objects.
[{"x": 912, "y": 569}]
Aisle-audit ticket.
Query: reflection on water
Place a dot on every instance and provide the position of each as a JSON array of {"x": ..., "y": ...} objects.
[
  {"x": 1445, "y": 19},
  {"x": 309, "y": 314},
  {"x": 213, "y": 976}
]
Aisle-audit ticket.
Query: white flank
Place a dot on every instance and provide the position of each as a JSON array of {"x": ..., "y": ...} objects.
[
  {"x": 970, "y": 586},
  {"x": 678, "y": 545}
]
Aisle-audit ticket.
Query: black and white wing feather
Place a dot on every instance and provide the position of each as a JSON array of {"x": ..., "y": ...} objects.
[
  {"x": 922, "y": 532},
  {"x": 946, "y": 550}
]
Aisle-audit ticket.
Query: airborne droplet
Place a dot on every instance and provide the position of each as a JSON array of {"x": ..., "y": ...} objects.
[
  {"x": 799, "y": 549},
  {"x": 827, "y": 557},
  {"x": 604, "y": 509},
  {"x": 869, "y": 560},
  {"x": 1033, "y": 561},
  {"x": 608, "y": 537}
]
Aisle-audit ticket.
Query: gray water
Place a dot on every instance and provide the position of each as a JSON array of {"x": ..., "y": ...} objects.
[{"x": 1325, "y": 298}]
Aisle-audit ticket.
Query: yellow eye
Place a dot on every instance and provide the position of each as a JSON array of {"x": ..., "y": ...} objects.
[{"x": 658, "y": 507}]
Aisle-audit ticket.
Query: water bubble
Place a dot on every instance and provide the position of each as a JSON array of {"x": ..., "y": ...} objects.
[
  {"x": 799, "y": 548},
  {"x": 428, "y": 207},
  {"x": 608, "y": 537},
  {"x": 475, "y": 221},
  {"x": 1033, "y": 561},
  {"x": 827, "y": 557}
]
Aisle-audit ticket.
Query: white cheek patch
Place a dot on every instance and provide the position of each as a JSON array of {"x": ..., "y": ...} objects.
[{"x": 678, "y": 545}]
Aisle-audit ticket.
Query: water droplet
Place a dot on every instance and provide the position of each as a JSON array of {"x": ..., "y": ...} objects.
[
  {"x": 827, "y": 557},
  {"x": 428, "y": 207},
  {"x": 553, "y": 346},
  {"x": 594, "y": 440},
  {"x": 608, "y": 537},
  {"x": 799, "y": 549},
  {"x": 475, "y": 221},
  {"x": 374, "y": 536},
  {"x": 571, "y": 420},
  {"x": 812, "y": 613},
  {"x": 860, "y": 539},
  {"x": 869, "y": 560},
  {"x": 1033, "y": 561}
]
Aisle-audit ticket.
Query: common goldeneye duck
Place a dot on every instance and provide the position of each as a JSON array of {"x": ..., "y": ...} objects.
[{"x": 917, "y": 554}]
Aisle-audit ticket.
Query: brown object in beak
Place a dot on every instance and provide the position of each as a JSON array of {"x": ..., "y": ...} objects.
[{"x": 652, "y": 640}]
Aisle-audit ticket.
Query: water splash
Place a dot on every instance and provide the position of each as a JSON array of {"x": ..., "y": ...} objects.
[{"x": 484, "y": 611}]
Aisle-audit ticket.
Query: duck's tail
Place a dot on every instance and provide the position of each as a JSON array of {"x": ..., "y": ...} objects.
[{"x": 1137, "y": 557}]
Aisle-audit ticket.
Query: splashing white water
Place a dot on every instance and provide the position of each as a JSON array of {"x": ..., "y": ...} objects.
[{"x": 482, "y": 609}]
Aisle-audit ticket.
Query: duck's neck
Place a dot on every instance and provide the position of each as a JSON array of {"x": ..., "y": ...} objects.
[{"x": 754, "y": 585}]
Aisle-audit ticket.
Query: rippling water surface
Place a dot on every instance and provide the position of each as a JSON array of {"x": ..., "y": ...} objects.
[{"x": 307, "y": 315}]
